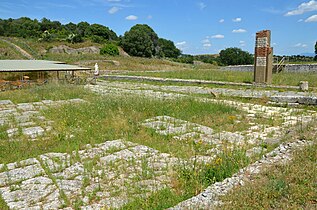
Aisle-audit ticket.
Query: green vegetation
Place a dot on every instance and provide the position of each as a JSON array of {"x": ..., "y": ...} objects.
[
  {"x": 167, "y": 49},
  {"x": 291, "y": 186},
  {"x": 107, "y": 118},
  {"x": 48, "y": 30},
  {"x": 109, "y": 49},
  {"x": 8, "y": 52},
  {"x": 189, "y": 181},
  {"x": 235, "y": 56},
  {"x": 213, "y": 73},
  {"x": 142, "y": 41},
  {"x": 296, "y": 59}
]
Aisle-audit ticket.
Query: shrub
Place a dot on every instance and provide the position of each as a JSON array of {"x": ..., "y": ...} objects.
[{"x": 109, "y": 49}]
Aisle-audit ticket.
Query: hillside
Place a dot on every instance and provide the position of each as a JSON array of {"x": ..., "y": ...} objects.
[{"x": 43, "y": 50}]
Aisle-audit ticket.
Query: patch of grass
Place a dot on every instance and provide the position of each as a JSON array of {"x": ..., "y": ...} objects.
[
  {"x": 162, "y": 199},
  {"x": 192, "y": 179},
  {"x": 8, "y": 52},
  {"x": 106, "y": 118},
  {"x": 291, "y": 186},
  {"x": 47, "y": 92},
  {"x": 214, "y": 74},
  {"x": 3, "y": 204}
]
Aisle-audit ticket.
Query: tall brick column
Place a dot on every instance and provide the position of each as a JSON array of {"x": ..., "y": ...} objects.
[{"x": 263, "y": 64}]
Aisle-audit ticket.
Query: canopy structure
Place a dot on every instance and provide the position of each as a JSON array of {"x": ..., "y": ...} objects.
[{"x": 37, "y": 66}]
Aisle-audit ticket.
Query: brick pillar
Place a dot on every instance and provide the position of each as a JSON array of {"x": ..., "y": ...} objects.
[{"x": 263, "y": 63}]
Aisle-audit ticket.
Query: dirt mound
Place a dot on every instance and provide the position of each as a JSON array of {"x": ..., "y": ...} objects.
[{"x": 68, "y": 50}]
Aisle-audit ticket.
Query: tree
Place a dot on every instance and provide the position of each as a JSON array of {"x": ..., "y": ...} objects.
[
  {"x": 140, "y": 41},
  {"x": 167, "y": 49},
  {"x": 74, "y": 38},
  {"x": 235, "y": 56},
  {"x": 101, "y": 31},
  {"x": 82, "y": 28},
  {"x": 109, "y": 49}
]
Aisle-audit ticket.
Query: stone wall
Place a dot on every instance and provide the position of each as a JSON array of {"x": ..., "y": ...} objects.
[{"x": 301, "y": 68}]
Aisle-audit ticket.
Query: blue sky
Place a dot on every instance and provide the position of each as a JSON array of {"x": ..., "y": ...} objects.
[{"x": 195, "y": 26}]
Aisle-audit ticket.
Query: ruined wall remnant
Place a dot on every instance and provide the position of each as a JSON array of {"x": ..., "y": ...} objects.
[{"x": 263, "y": 64}]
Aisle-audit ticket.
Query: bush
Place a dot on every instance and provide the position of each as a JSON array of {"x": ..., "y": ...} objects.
[
  {"x": 109, "y": 49},
  {"x": 189, "y": 59}
]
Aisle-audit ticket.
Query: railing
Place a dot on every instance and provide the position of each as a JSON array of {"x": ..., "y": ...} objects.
[{"x": 280, "y": 64}]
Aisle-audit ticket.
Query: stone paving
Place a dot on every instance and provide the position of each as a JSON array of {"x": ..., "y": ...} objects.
[
  {"x": 102, "y": 175},
  {"x": 292, "y": 97},
  {"x": 210, "y": 197},
  {"x": 115, "y": 172},
  {"x": 25, "y": 119},
  {"x": 288, "y": 116}
]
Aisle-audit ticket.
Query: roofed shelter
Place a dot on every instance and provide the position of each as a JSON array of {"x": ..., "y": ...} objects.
[{"x": 39, "y": 67}]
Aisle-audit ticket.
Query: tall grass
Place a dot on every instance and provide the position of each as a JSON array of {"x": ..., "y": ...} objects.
[
  {"x": 214, "y": 74},
  {"x": 106, "y": 118},
  {"x": 291, "y": 186}
]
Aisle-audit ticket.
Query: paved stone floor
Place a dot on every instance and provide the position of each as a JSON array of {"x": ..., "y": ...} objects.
[
  {"x": 101, "y": 175},
  {"x": 111, "y": 173},
  {"x": 25, "y": 119}
]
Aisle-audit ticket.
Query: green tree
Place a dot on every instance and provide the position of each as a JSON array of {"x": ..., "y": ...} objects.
[
  {"x": 74, "y": 38},
  {"x": 109, "y": 49},
  {"x": 235, "y": 56},
  {"x": 101, "y": 31},
  {"x": 140, "y": 41},
  {"x": 167, "y": 49},
  {"x": 82, "y": 28}
]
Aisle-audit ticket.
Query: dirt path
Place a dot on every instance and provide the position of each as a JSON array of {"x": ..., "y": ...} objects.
[{"x": 22, "y": 51}]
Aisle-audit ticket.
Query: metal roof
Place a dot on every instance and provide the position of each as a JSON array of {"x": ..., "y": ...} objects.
[{"x": 37, "y": 65}]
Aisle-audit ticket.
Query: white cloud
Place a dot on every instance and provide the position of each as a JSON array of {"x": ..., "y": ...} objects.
[
  {"x": 217, "y": 36},
  {"x": 239, "y": 30},
  {"x": 242, "y": 43},
  {"x": 113, "y": 10},
  {"x": 149, "y": 17},
  {"x": 221, "y": 20},
  {"x": 300, "y": 20},
  {"x": 131, "y": 17},
  {"x": 202, "y": 5},
  {"x": 303, "y": 8},
  {"x": 206, "y": 43},
  {"x": 181, "y": 45},
  {"x": 300, "y": 45},
  {"x": 312, "y": 18},
  {"x": 238, "y": 19}
]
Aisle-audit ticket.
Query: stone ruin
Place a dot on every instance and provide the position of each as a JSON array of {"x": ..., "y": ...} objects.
[{"x": 263, "y": 63}]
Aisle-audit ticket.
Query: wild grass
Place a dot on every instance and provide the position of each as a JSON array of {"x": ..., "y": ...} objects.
[
  {"x": 290, "y": 186},
  {"x": 191, "y": 179},
  {"x": 106, "y": 118},
  {"x": 8, "y": 52},
  {"x": 214, "y": 74}
]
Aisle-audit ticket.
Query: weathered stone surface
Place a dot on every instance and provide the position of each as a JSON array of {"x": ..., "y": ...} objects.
[
  {"x": 23, "y": 119},
  {"x": 114, "y": 172},
  {"x": 209, "y": 198},
  {"x": 160, "y": 91}
]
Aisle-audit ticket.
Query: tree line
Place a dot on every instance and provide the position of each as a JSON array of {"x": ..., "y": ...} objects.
[{"x": 140, "y": 40}]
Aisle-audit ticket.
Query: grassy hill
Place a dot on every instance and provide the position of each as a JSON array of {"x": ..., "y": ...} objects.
[{"x": 40, "y": 50}]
